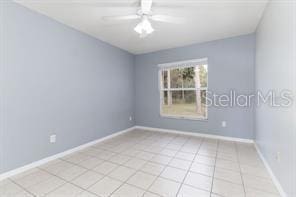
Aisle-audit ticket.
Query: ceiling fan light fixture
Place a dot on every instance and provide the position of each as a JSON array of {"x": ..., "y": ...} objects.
[{"x": 144, "y": 27}]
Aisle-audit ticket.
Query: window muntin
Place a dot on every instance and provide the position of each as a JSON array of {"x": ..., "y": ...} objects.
[{"x": 183, "y": 90}]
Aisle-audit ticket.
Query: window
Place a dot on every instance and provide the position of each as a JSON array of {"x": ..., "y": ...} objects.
[{"x": 183, "y": 88}]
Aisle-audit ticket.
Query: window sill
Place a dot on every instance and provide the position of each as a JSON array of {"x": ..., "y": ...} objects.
[{"x": 184, "y": 117}]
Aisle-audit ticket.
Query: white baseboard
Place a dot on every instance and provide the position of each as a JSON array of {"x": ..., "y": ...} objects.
[
  {"x": 196, "y": 134},
  {"x": 59, "y": 155},
  {"x": 273, "y": 177}
]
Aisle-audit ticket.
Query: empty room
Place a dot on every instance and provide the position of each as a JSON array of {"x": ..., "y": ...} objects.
[{"x": 147, "y": 98}]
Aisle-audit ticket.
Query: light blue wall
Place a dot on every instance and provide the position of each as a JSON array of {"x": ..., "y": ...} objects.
[
  {"x": 231, "y": 67},
  {"x": 276, "y": 70},
  {"x": 57, "y": 80}
]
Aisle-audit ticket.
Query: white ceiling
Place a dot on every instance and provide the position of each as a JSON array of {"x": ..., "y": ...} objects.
[{"x": 206, "y": 20}]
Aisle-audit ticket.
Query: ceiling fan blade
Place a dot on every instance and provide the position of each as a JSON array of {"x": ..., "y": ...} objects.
[
  {"x": 125, "y": 17},
  {"x": 168, "y": 19},
  {"x": 146, "y": 6}
]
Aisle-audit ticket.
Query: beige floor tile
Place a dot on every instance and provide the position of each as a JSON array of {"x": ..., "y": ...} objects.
[
  {"x": 205, "y": 160},
  {"x": 21, "y": 194},
  {"x": 4, "y": 182},
  {"x": 105, "y": 155},
  {"x": 141, "y": 180},
  {"x": 29, "y": 179},
  {"x": 105, "y": 167},
  {"x": 105, "y": 187},
  {"x": 145, "y": 155},
  {"x": 254, "y": 170},
  {"x": 91, "y": 162},
  {"x": 131, "y": 152},
  {"x": 57, "y": 166},
  {"x": 153, "y": 161},
  {"x": 188, "y": 191},
  {"x": 226, "y": 164},
  {"x": 202, "y": 169},
  {"x": 45, "y": 187},
  {"x": 122, "y": 173},
  {"x": 209, "y": 144},
  {"x": 168, "y": 152},
  {"x": 87, "y": 179},
  {"x": 174, "y": 174},
  {"x": 128, "y": 191},
  {"x": 153, "y": 168},
  {"x": 256, "y": 193},
  {"x": 199, "y": 181},
  {"x": 164, "y": 187},
  {"x": 207, "y": 152},
  {"x": 135, "y": 163},
  {"x": 228, "y": 175},
  {"x": 259, "y": 183},
  {"x": 174, "y": 146},
  {"x": 153, "y": 149},
  {"x": 179, "y": 163},
  {"x": 9, "y": 189},
  {"x": 215, "y": 195},
  {"x": 149, "y": 194},
  {"x": 225, "y": 188},
  {"x": 86, "y": 194},
  {"x": 119, "y": 159},
  {"x": 190, "y": 149},
  {"x": 65, "y": 190},
  {"x": 227, "y": 156},
  {"x": 91, "y": 151},
  {"x": 185, "y": 156},
  {"x": 71, "y": 173},
  {"x": 161, "y": 159},
  {"x": 140, "y": 147}
]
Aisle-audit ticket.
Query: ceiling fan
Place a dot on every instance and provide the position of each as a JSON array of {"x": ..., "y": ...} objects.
[{"x": 144, "y": 27}]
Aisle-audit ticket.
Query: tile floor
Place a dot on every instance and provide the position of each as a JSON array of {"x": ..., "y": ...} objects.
[{"x": 149, "y": 164}]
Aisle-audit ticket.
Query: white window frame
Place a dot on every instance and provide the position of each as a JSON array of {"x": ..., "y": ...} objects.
[{"x": 181, "y": 64}]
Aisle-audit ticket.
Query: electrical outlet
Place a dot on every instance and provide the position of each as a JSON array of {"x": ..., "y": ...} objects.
[
  {"x": 278, "y": 157},
  {"x": 130, "y": 118},
  {"x": 223, "y": 124},
  {"x": 53, "y": 138}
]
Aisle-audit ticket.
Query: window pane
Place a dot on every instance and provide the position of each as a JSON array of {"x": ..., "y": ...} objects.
[
  {"x": 196, "y": 77},
  {"x": 203, "y": 75},
  {"x": 176, "y": 78},
  {"x": 164, "y": 75},
  {"x": 165, "y": 97},
  {"x": 187, "y": 103},
  {"x": 190, "y": 77}
]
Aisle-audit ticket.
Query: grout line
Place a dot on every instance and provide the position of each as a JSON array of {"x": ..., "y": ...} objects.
[
  {"x": 21, "y": 187},
  {"x": 212, "y": 186},
  {"x": 165, "y": 166},
  {"x": 80, "y": 175},
  {"x": 139, "y": 169},
  {"x": 67, "y": 182},
  {"x": 125, "y": 182},
  {"x": 202, "y": 140},
  {"x": 122, "y": 165},
  {"x": 240, "y": 170},
  {"x": 135, "y": 141}
]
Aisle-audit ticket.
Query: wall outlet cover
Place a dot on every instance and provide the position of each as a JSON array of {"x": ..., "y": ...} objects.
[
  {"x": 223, "y": 123},
  {"x": 53, "y": 138}
]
